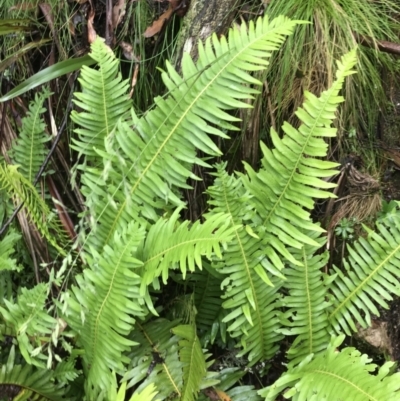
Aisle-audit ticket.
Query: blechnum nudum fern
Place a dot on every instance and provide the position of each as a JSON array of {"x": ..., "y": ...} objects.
[{"x": 252, "y": 269}]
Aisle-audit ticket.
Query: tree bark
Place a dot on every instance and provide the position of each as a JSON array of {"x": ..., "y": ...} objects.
[{"x": 204, "y": 17}]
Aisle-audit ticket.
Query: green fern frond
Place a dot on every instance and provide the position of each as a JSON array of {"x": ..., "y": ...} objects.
[
  {"x": 336, "y": 376},
  {"x": 206, "y": 286},
  {"x": 23, "y": 382},
  {"x": 370, "y": 276},
  {"x": 29, "y": 150},
  {"x": 30, "y": 322},
  {"x": 180, "y": 124},
  {"x": 103, "y": 307},
  {"x": 103, "y": 100},
  {"x": 290, "y": 177},
  {"x": 193, "y": 361},
  {"x": 7, "y": 249},
  {"x": 307, "y": 309},
  {"x": 249, "y": 293},
  {"x": 182, "y": 244},
  {"x": 147, "y": 394},
  {"x": 156, "y": 359},
  {"x": 21, "y": 189}
]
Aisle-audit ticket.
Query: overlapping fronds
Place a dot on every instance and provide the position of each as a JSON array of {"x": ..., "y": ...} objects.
[
  {"x": 156, "y": 359},
  {"x": 193, "y": 361},
  {"x": 182, "y": 244},
  {"x": 22, "y": 190},
  {"x": 29, "y": 150},
  {"x": 249, "y": 295},
  {"x": 334, "y": 375},
  {"x": 103, "y": 307},
  {"x": 30, "y": 320},
  {"x": 169, "y": 134},
  {"x": 206, "y": 286},
  {"x": 307, "y": 308},
  {"x": 23, "y": 382},
  {"x": 290, "y": 178},
  {"x": 370, "y": 277}
]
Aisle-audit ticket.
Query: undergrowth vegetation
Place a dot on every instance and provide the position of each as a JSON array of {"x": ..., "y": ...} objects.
[{"x": 141, "y": 303}]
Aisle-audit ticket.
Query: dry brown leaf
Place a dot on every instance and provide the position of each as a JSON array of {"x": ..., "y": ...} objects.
[
  {"x": 158, "y": 24},
  {"x": 91, "y": 31},
  {"x": 118, "y": 13},
  {"x": 127, "y": 50}
]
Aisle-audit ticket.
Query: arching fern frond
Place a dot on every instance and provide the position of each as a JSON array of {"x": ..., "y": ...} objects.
[
  {"x": 103, "y": 307},
  {"x": 23, "y": 382},
  {"x": 181, "y": 123},
  {"x": 30, "y": 322},
  {"x": 21, "y": 189},
  {"x": 182, "y": 244},
  {"x": 29, "y": 150},
  {"x": 103, "y": 100},
  {"x": 334, "y": 375},
  {"x": 290, "y": 178},
  {"x": 307, "y": 308},
  {"x": 370, "y": 276}
]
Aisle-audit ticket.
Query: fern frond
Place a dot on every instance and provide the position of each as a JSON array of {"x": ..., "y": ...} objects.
[
  {"x": 23, "y": 382},
  {"x": 181, "y": 123},
  {"x": 370, "y": 276},
  {"x": 103, "y": 307},
  {"x": 7, "y": 249},
  {"x": 193, "y": 361},
  {"x": 182, "y": 243},
  {"x": 30, "y": 322},
  {"x": 21, "y": 189},
  {"x": 156, "y": 359},
  {"x": 103, "y": 100},
  {"x": 206, "y": 286},
  {"x": 289, "y": 179},
  {"x": 307, "y": 308},
  {"x": 249, "y": 292},
  {"x": 147, "y": 394},
  {"x": 29, "y": 150},
  {"x": 334, "y": 376}
]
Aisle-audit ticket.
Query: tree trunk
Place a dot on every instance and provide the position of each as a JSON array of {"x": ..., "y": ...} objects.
[{"x": 204, "y": 17}]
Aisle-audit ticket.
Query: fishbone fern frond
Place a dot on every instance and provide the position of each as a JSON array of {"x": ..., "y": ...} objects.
[
  {"x": 20, "y": 189},
  {"x": 248, "y": 291},
  {"x": 104, "y": 306},
  {"x": 307, "y": 308},
  {"x": 183, "y": 244},
  {"x": 371, "y": 276},
  {"x": 285, "y": 187},
  {"x": 334, "y": 375},
  {"x": 29, "y": 150}
]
